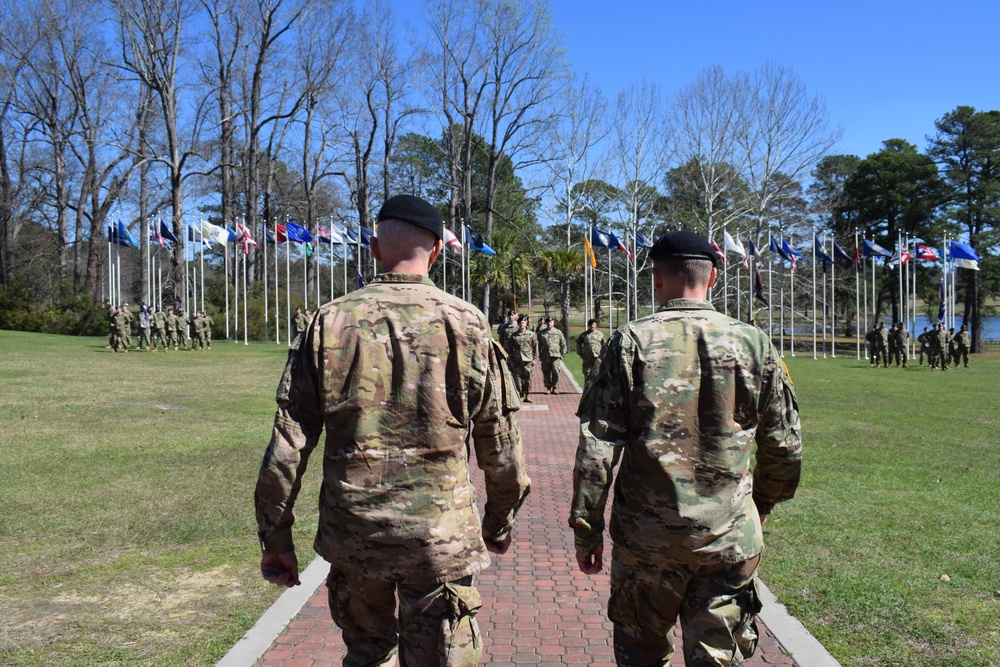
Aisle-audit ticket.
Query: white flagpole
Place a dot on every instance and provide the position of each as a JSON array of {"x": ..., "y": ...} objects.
[
  {"x": 305, "y": 275},
  {"x": 111, "y": 276},
  {"x": 267, "y": 284},
  {"x": 246, "y": 294},
  {"x": 331, "y": 262},
  {"x": 225, "y": 258},
  {"x": 857, "y": 298},
  {"x": 833, "y": 303},
  {"x": 814, "y": 296},
  {"x": 791, "y": 304},
  {"x": 236, "y": 288},
  {"x": 770, "y": 297},
  {"x": 610, "y": 319},
  {"x": 288, "y": 285},
  {"x": 277, "y": 279},
  {"x": 343, "y": 243}
]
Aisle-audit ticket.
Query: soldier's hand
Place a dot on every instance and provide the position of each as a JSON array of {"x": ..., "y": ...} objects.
[
  {"x": 280, "y": 569},
  {"x": 592, "y": 562},
  {"x": 495, "y": 546}
]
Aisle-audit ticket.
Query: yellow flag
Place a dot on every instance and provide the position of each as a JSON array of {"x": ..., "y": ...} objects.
[{"x": 590, "y": 252}]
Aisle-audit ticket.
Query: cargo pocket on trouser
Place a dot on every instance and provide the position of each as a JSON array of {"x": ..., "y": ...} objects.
[
  {"x": 746, "y": 633},
  {"x": 364, "y": 610},
  {"x": 460, "y": 642}
]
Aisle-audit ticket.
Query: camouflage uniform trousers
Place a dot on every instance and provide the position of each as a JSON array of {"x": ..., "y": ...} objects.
[
  {"x": 200, "y": 341},
  {"x": 522, "y": 378},
  {"x": 550, "y": 372},
  {"x": 716, "y": 605},
  {"x": 901, "y": 355},
  {"x": 436, "y": 626},
  {"x": 160, "y": 338},
  {"x": 588, "y": 365}
]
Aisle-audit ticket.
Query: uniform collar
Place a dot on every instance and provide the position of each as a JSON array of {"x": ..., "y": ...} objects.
[
  {"x": 403, "y": 278},
  {"x": 687, "y": 304}
]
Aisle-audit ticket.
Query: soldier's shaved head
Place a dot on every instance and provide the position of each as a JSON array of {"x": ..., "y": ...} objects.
[{"x": 405, "y": 248}]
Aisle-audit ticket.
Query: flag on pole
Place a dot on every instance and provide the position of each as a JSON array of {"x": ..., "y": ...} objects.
[
  {"x": 167, "y": 235},
  {"x": 476, "y": 242},
  {"x": 359, "y": 280},
  {"x": 758, "y": 287},
  {"x": 872, "y": 249},
  {"x": 244, "y": 239},
  {"x": 734, "y": 245},
  {"x": 776, "y": 248},
  {"x": 154, "y": 235},
  {"x": 600, "y": 239},
  {"x": 754, "y": 252},
  {"x": 721, "y": 255},
  {"x": 366, "y": 237},
  {"x": 218, "y": 234},
  {"x": 119, "y": 234},
  {"x": 901, "y": 256},
  {"x": 790, "y": 253},
  {"x": 840, "y": 253},
  {"x": 451, "y": 241},
  {"x": 821, "y": 254},
  {"x": 297, "y": 233},
  {"x": 328, "y": 236},
  {"x": 962, "y": 255},
  {"x": 925, "y": 252},
  {"x": 590, "y": 252},
  {"x": 641, "y": 241},
  {"x": 195, "y": 236},
  {"x": 621, "y": 246},
  {"x": 941, "y": 301}
]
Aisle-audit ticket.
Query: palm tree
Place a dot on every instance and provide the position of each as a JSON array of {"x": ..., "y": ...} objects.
[
  {"x": 506, "y": 271},
  {"x": 563, "y": 266}
]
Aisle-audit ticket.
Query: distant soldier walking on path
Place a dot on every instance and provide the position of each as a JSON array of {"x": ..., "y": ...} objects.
[
  {"x": 522, "y": 350},
  {"x": 963, "y": 343},
  {"x": 678, "y": 401},
  {"x": 507, "y": 328},
  {"x": 588, "y": 346},
  {"x": 399, "y": 374},
  {"x": 872, "y": 338},
  {"x": 551, "y": 349}
]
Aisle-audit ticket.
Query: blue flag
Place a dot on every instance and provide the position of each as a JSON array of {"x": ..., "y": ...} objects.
[
  {"x": 821, "y": 254},
  {"x": 840, "y": 253},
  {"x": 166, "y": 234},
  {"x": 600, "y": 239},
  {"x": 232, "y": 235},
  {"x": 872, "y": 249},
  {"x": 476, "y": 242},
  {"x": 359, "y": 281},
  {"x": 297, "y": 233},
  {"x": 641, "y": 241},
  {"x": 776, "y": 248},
  {"x": 119, "y": 234}
]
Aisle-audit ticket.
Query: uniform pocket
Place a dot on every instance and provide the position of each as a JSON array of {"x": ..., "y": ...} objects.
[
  {"x": 746, "y": 633},
  {"x": 623, "y": 605},
  {"x": 460, "y": 640}
]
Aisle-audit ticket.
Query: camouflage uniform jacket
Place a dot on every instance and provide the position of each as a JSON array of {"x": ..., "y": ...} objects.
[
  {"x": 678, "y": 399},
  {"x": 395, "y": 373},
  {"x": 121, "y": 322},
  {"x": 198, "y": 324},
  {"x": 522, "y": 347},
  {"x": 963, "y": 340},
  {"x": 301, "y": 323},
  {"x": 171, "y": 323},
  {"x": 160, "y": 319},
  {"x": 505, "y": 331},
  {"x": 589, "y": 344},
  {"x": 551, "y": 344},
  {"x": 182, "y": 326},
  {"x": 883, "y": 337}
]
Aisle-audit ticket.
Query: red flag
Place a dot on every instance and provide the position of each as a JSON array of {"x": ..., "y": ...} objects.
[{"x": 722, "y": 255}]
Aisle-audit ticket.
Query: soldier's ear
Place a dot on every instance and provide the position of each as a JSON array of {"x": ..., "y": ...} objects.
[{"x": 712, "y": 276}]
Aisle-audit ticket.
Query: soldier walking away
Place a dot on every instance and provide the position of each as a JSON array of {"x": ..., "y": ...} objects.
[
  {"x": 198, "y": 341},
  {"x": 112, "y": 327},
  {"x": 681, "y": 399},
  {"x": 963, "y": 343},
  {"x": 901, "y": 343},
  {"x": 159, "y": 330},
  {"x": 872, "y": 338},
  {"x": 522, "y": 350},
  {"x": 399, "y": 374},
  {"x": 588, "y": 346},
  {"x": 551, "y": 349},
  {"x": 882, "y": 345},
  {"x": 209, "y": 323},
  {"x": 925, "y": 345},
  {"x": 182, "y": 328}
]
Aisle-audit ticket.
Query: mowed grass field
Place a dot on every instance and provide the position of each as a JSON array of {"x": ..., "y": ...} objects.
[{"x": 128, "y": 538}]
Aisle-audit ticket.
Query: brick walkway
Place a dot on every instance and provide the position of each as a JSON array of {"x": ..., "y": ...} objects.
[{"x": 538, "y": 608}]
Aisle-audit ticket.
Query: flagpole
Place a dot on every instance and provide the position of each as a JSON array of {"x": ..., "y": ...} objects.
[
  {"x": 331, "y": 262},
  {"x": 288, "y": 284},
  {"x": 770, "y": 296},
  {"x": 277, "y": 293},
  {"x": 814, "y": 295},
  {"x": 246, "y": 295},
  {"x": 236, "y": 284},
  {"x": 610, "y": 318},
  {"x": 267, "y": 285},
  {"x": 725, "y": 278},
  {"x": 225, "y": 257},
  {"x": 791, "y": 301},
  {"x": 833, "y": 303},
  {"x": 343, "y": 242}
]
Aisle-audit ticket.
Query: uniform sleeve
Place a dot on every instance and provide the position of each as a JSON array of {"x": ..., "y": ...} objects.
[
  {"x": 604, "y": 429},
  {"x": 779, "y": 442},
  {"x": 298, "y": 424},
  {"x": 497, "y": 440}
]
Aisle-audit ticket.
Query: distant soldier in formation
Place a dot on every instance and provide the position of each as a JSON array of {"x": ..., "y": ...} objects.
[
  {"x": 159, "y": 330},
  {"x": 171, "y": 329},
  {"x": 112, "y": 328},
  {"x": 963, "y": 343},
  {"x": 507, "y": 328},
  {"x": 182, "y": 328},
  {"x": 198, "y": 341},
  {"x": 209, "y": 323},
  {"x": 883, "y": 345},
  {"x": 901, "y": 341},
  {"x": 145, "y": 322},
  {"x": 952, "y": 347},
  {"x": 588, "y": 346},
  {"x": 941, "y": 352},
  {"x": 551, "y": 349},
  {"x": 522, "y": 350},
  {"x": 129, "y": 319},
  {"x": 925, "y": 345},
  {"x": 121, "y": 330},
  {"x": 300, "y": 321}
]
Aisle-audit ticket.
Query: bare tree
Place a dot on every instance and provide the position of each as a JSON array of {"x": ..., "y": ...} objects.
[
  {"x": 707, "y": 122},
  {"x": 574, "y": 163},
  {"x": 640, "y": 141},
  {"x": 151, "y": 35},
  {"x": 783, "y": 131}
]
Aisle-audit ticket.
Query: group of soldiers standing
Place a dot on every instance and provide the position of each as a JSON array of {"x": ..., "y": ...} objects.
[
  {"x": 158, "y": 329},
  {"x": 548, "y": 346},
  {"x": 940, "y": 346}
]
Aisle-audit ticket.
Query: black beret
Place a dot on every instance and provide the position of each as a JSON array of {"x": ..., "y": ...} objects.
[
  {"x": 413, "y": 210},
  {"x": 683, "y": 244}
]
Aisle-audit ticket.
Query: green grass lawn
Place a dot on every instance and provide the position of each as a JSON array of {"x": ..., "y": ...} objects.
[{"x": 126, "y": 519}]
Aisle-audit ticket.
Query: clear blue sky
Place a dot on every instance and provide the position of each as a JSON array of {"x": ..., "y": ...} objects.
[{"x": 885, "y": 68}]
